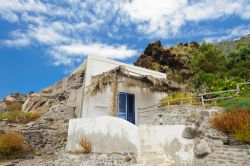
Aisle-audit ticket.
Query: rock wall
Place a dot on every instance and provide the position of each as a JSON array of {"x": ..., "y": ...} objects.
[
  {"x": 113, "y": 159},
  {"x": 44, "y": 138},
  {"x": 173, "y": 115}
]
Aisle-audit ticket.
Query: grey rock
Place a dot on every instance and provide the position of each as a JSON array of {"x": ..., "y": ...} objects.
[
  {"x": 49, "y": 119},
  {"x": 3, "y": 106},
  {"x": 204, "y": 113},
  {"x": 214, "y": 134},
  {"x": 202, "y": 149},
  {"x": 29, "y": 156},
  {"x": 189, "y": 132}
]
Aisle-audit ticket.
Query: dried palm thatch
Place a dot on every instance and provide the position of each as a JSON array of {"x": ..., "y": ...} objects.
[{"x": 102, "y": 81}]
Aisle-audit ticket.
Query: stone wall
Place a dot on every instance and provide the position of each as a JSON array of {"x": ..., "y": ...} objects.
[
  {"x": 44, "y": 138},
  {"x": 173, "y": 115},
  {"x": 115, "y": 159}
]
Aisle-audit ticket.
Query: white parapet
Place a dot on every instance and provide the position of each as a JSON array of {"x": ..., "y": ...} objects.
[{"x": 107, "y": 134}]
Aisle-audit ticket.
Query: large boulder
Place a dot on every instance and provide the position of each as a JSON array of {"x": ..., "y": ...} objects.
[
  {"x": 189, "y": 132},
  {"x": 202, "y": 149},
  {"x": 33, "y": 102}
]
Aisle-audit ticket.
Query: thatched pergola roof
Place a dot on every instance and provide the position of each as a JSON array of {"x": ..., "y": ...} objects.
[{"x": 121, "y": 74}]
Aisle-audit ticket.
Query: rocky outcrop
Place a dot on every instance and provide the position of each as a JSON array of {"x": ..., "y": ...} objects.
[
  {"x": 60, "y": 101},
  {"x": 15, "y": 97},
  {"x": 33, "y": 102},
  {"x": 175, "y": 61}
]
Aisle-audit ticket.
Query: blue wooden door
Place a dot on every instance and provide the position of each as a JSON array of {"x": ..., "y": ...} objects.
[{"x": 126, "y": 109}]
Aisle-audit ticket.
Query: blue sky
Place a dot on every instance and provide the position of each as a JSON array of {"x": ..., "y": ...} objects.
[{"x": 42, "y": 41}]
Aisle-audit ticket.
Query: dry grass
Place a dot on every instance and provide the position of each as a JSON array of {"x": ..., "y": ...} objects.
[
  {"x": 243, "y": 134},
  {"x": 13, "y": 105},
  {"x": 174, "y": 98},
  {"x": 86, "y": 145},
  {"x": 12, "y": 146},
  {"x": 19, "y": 116},
  {"x": 231, "y": 121}
]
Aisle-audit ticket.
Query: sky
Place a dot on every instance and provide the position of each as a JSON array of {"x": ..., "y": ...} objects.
[{"x": 42, "y": 41}]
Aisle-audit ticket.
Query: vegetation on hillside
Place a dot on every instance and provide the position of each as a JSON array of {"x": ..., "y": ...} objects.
[
  {"x": 14, "y": 114},
  {"x": 201, "y": 67},
  {"x": 19, "y": 116}
]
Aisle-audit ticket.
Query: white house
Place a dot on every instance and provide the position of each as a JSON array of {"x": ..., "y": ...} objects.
[{"x": 119, "y": 89}]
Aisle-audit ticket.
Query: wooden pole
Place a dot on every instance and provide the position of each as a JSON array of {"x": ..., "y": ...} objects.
[
  {"x": 181, "y": 101},
  {"x": 190, "y": 99},
  {"x": 202, "y": 100}
]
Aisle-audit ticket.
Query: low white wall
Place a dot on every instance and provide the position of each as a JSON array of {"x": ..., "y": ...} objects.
[
  {"x": 107, "y": 134},
  {"x": 168, "y": 140}
]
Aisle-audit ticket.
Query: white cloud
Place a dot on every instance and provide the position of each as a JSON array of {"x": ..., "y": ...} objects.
[
  {"x": 24, "y": 5},
  {"x": 17, "y": 42},
  {"x": 67, "y": 54},
  {"x": 46, "y": 35},
  {"x": 230, "y": 34},
  {"x": 20, "y": 40},
  {"x": 59, "y": 26},
  {"x": 165, "y": 18}
]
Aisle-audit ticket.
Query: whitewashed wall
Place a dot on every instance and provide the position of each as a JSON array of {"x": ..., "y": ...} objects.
[
  {"x": 168, "y": 140},
  {"x": 100, "y": 105},
  {"x": 107, "y": 134}
]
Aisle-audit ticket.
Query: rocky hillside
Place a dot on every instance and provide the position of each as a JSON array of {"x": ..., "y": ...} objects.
[
  {"x": 228, "y": 47},
  {"x": 196, "y": 65},
  {"x": 42, "y": 118},
  {"x": 175, "y": 61}
]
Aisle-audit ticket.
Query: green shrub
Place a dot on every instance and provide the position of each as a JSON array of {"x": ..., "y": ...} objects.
[
  {"x": 20, "y": 117},
  {"x": 243, "y": 134},
  {"x": 236, "y": 103},
  {"x": 212, "y": 82},
  {"x": 12, "y": 146}
]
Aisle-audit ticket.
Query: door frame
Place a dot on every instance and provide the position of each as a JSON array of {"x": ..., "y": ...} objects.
[{"x": 126, "y": 105}]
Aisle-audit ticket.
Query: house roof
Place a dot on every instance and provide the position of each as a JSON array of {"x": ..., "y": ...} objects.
[{"x": 122, "y": 74}]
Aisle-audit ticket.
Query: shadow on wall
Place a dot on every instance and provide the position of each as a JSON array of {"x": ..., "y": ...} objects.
[{"x": 107, "y": 134}]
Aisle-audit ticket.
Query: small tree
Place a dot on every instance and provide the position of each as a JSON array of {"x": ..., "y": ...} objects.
[{"x": 209, "y": 59}]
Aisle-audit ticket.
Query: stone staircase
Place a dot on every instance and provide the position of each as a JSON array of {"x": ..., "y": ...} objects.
[{"x": 148, "y": 155}]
